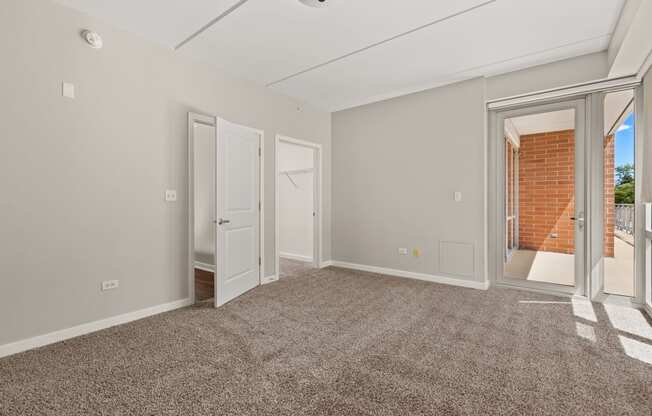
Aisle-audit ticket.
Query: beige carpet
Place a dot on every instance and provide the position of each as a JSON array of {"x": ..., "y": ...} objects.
[
  {"x": 336, "y": 342},
  {"x": 288, "y": 268}
]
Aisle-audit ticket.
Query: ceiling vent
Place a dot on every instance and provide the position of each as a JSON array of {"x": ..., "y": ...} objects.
[{"x": 314, "y": 3}]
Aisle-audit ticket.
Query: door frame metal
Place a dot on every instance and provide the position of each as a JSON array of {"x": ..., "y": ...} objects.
[{"x": 496, "y": 189}]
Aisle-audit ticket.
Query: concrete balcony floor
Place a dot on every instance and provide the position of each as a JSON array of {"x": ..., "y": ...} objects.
[{"x": 559, "y": 268}]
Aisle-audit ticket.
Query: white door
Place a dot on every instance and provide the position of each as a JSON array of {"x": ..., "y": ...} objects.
[{"x": 238, "y": 225}]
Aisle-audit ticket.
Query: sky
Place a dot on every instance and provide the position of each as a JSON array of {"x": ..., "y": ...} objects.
[{"x": 625, "y": 142}]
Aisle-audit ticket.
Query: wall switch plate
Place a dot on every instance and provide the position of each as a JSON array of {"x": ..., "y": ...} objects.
[
  {"x": 458, "y": 196},
  {"x": 110, "y": 285},
  {"x": 170, "y": 195},
  {"x": 68, "y": 90},
  {"x": 403, "y": 251}
]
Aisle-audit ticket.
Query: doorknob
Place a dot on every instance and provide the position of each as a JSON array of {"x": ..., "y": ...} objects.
[{"x": 223, "y": 221}]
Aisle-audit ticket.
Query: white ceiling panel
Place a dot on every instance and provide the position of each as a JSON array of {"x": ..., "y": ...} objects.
[
  {"x": 487, "y": 39},
  {"x": 267, "y": 40},
  {"x": 353, "y": 52},
  {"x": 166, "y": 22}
]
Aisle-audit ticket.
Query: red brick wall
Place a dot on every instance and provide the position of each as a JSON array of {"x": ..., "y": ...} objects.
[
  {"x": 547, "y": 191},
  {"x": 609, "y": 201}
]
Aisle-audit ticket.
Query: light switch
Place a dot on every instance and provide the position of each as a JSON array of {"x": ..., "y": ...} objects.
[
  {"x": 458, "y": 196},
  {"x": 170, "y": 195},
  {"x": 68, "y": 90}
]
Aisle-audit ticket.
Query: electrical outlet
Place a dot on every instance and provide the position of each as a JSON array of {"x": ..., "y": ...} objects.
[
  {"x": 403, "y": 251},
  {"x": 110, "y": 285},
  {"x": 170, "y": 195}
]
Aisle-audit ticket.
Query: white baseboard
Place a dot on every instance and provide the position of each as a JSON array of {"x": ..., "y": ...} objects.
[
  {"x": 297, "y": 257},
  {"x": 325, "y": 264},
  {"x": 204, "y": 266},
  {"x": 413, "y": 275},
  {"x": 268, "y": 279},
  {"x": 87, "y": 328}
]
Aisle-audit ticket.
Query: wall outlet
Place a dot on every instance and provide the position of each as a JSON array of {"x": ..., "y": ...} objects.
[
  {"x": 458, "y": 196},
  {"x": 170, "y": 195},
  {"x": 110, "y": 285},
  {"x": 403, "y": 251}
]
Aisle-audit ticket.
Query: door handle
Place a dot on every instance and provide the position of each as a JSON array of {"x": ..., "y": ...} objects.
[
  {"x": 579, "y": 219},
  {"x": 223, "y": 221}
]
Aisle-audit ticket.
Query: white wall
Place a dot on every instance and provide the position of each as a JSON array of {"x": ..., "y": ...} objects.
[
  {"x": 398, "y": 163},
  {"x": 296, "y": 203},
  {"x": 83, "y": 180},
  {"x": 204, "y": 180}
]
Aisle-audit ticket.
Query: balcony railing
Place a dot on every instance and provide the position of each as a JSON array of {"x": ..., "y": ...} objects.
[{"x": 625, "y": 218}]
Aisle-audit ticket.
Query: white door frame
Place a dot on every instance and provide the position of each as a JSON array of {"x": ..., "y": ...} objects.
[
  {"x": 497, "y": 217},
  {"x": 317, "y": 223},
  {"x": 213, "y": 121}
]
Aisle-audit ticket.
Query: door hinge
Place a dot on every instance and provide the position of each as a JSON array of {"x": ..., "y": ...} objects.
[
  {"x": 260, "y": 205},
  {"x": 260, "y": 261},
  {"x": 260, "y": 152}
]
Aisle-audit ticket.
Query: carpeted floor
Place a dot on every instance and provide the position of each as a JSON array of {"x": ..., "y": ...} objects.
[
  {"x": 337, "y": 342},
  {"x": 289, "y": 268}
]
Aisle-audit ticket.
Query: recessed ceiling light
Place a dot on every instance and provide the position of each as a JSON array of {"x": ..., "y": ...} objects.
[{"x": 314, "y": 3}]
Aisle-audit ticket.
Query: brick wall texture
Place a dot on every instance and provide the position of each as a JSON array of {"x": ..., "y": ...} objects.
[{"x": 547, "y": 192}]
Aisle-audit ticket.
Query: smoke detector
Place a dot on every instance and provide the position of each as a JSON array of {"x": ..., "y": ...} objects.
[
  {"x": 92, "y": 38},
  {"x": 314, "y": 3}
]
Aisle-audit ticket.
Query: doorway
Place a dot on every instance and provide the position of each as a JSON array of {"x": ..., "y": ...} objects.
[
  {"x": 225, "y": 163},
  {"x": 619, "y": 194},
  {"x": 298, "y": 199},
  {"x": 542, "y": 160},
  {"x": 564, "y": 195}
]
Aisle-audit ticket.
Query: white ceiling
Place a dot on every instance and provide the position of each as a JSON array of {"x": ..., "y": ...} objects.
[
  {"x": 354, "y": 52},
  {"x": 545, "y": 122}
]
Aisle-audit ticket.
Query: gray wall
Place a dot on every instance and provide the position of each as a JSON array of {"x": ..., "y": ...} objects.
[
  {"x": 83, "y": 180},
  {"x": 396, "y": 167},
  {"x": 557, "y": 74},
  {"x": 398, "y": 163}
]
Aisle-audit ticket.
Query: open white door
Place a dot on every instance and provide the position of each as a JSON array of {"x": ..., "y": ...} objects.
[{"x": 238, "y": 219}]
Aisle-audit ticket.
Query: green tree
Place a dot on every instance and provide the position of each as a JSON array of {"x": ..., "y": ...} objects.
[
  {"x": 625, "y": 174},
  {"x": 624, "y": 194}
]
